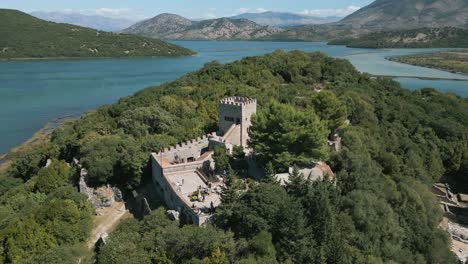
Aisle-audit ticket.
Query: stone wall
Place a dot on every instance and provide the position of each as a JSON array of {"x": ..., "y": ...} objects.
[
  {"x": 171, "y": 196},
  {"x": 236, "y": 110},
  {"x": 247, "y": 112},
  {"x": 190, "y": 166},
  {"x": 189, "y": 149}
]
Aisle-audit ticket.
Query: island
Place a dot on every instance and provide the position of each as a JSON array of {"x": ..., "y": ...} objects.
[
  {"x": 23, "y": 36},
  {"x": 455, "y": 61}
]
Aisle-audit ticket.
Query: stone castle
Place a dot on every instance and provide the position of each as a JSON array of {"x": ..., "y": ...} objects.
[{"x": 182, "y": 174}]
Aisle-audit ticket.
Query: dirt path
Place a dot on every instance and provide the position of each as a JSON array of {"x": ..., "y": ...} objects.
[{"x": 106, "y": 220}]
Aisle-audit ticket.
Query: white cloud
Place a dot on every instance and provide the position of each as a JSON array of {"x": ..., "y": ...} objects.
[
  {"x": 243, "y": 10},
  {"x": 331, "y": 12},
  {"x": 120, "y": 13}
]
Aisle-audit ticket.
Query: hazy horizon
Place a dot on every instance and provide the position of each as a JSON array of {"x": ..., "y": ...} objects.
[{"x": 200, "y": 10}]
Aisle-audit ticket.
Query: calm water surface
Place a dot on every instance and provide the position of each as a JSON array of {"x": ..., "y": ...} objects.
[{"x": 35, "y": 92}]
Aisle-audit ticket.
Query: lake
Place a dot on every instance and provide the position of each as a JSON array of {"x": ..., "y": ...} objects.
[{"x": 35, "y": 92}]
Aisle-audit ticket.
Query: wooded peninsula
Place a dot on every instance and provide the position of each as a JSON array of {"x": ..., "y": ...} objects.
[{"x": 396, "y": 144}]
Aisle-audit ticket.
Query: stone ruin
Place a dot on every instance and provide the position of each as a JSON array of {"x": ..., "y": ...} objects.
[{"x": 100, "y": 197}]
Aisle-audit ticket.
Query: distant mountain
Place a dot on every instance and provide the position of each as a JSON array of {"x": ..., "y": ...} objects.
[
  {"x": 284, "y": 19},
  {"x": 322, "y": 32},
  {"x": 409, "y": 14},
  {"x": 95, "y": 22},
  {"x": 25, "y": 36},
  {"x": 160, "y": 26},
  {"x": 384, "y": 15},
  {"x": 447, "y": 37},
  {"x": 170, "y": 26}
]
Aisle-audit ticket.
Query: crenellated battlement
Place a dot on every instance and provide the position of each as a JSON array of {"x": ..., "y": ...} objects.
[
  {"x": 177, "y": 169},
  {"x": 197, "y": 143},
  {"x": 238, "y": 101}
]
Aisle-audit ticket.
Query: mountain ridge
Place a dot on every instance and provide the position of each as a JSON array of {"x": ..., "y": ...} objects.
[
  {"x": 384, "y": 15},
  {"x": 90, "y": 21},
  {"x": 285, "y": 19},
  {"x": 171, "y": 26}
]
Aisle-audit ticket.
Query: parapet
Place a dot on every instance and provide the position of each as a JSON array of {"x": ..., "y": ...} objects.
[
  {"x": 238, "y": 101},
  {"x": 193, "y": 143}
]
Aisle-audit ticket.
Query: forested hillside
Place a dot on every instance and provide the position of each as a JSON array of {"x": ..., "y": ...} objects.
[
  {"x": 398, "y": 142},
  {"x": 447, "y": 37},
  {"x": 24, "y": 36}
]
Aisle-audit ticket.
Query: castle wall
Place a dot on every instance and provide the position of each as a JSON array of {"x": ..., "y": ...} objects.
[
  {"x": 189, "y": 149},
  {"x": 247, "y": 111},
  {"x": 236, "y": 110},
  {"x": 190, "y": 166},
  {"x": 228, "y": 115},
  {"x": 170, "y": 195},
  {"x": 234, "y": 121}
]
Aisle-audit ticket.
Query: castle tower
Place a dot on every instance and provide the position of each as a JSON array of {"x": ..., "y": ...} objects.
[{"x": 236, "y": 111}]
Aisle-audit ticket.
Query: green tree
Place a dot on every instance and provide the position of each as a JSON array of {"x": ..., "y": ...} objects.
[
  {"x": 286, "y": 136},
  {"x": 269, "y": 173},
  {"x": 221, "y": 158},
  {"x": 57, "y": 175},
  {"x": 330, "y": 109},
  {"x": 238, "y": 152}
]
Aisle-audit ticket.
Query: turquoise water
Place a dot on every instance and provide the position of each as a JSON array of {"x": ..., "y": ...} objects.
[{"x": 35, "y": 92}]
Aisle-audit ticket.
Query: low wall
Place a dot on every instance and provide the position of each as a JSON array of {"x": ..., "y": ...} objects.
[{"x": 190, "y": 166}]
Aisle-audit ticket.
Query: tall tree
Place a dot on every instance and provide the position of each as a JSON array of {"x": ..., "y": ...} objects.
[{"x": 286, "y": 136}]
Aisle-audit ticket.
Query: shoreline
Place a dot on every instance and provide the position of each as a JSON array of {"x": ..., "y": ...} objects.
[
  {"x": 91, "y": 58},
  {"x": 39, "y": 136},
  {"x": 421, "y": 78},
  {"x": 429, "y": 67},
  {"x": 395, "y": 59}
]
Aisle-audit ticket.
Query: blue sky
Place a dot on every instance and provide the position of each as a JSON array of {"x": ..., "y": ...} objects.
[{"x": 139, "y": 9}]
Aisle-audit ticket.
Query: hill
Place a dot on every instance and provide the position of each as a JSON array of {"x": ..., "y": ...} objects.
[
  {"x": 24, "y": 36},
  {"x": 160, "y": 26},
  {"x": 447, "y": 37},
  {"x": 386, "y": 15},
  {"x": 284, "y": 19},
  {"x": 409, "y": 14},
  {"x": 94, "y": 22},
  {"x": 169, "y": 26},
  {"x": 323, "y": 32},
  {"x": 397, "y": 143}
]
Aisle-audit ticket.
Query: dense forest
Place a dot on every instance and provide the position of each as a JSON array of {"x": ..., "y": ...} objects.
[
  {"x": 397, "y": 143},
  {"x": 24, "y": 36},
  {"x": 447, "y": 37}
]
